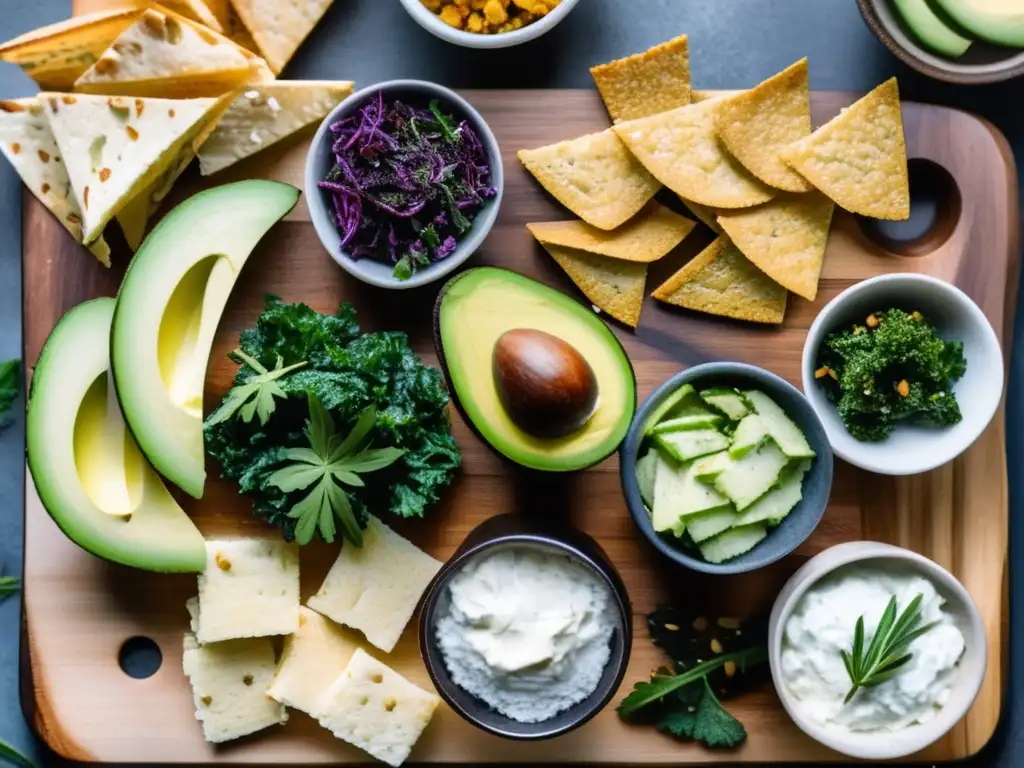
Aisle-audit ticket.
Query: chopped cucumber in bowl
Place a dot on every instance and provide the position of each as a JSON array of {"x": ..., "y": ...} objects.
[{"x": 726, "y": 468}]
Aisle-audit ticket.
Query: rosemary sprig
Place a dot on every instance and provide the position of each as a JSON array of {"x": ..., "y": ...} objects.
[{"x": 886, "y": 655}]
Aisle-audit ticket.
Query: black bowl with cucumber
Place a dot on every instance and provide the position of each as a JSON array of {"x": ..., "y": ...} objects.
[{"x": 726, "y": 468}]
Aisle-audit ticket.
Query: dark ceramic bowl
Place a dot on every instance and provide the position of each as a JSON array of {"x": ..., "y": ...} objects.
[
  {"x": 508, "y": 531},
  {"x": 798, "y": 524}
]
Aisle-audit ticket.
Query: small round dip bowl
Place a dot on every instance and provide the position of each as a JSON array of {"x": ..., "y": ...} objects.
[
  {"x": 507, "y": 531},
  {"x": 881, "y": 744}
]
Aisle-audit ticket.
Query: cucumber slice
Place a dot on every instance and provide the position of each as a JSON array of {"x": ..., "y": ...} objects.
[
  {"x": 707, "y": 468},
  {"x": 707, "y": 524},
  {"x": 732, "y": 543},
  {"x": 693, "y": 421},
  {"x": 750, "y": 433},
  {"x": 679, "y": 494},
  {"x": 778, "y": 502},
  {"x": 781, "y": 428},
  {"x": 748, "y": 479},
  {"x": 727, "y": 401},
  {"x": 666, "y": 405},
  {"x": 646, "y": 468},
  {"x": 692, "y": 443}
]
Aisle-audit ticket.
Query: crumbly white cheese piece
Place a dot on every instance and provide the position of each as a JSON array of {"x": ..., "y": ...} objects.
[
  {"x": 375, "y": 588},
  {"x": 311, "y": 660},
  {"x": 229, "y": 685},
  {"x": 250, "y": 588},
  {"x": 376, "y": 709}
]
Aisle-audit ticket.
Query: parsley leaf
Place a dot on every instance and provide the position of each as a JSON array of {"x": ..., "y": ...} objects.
[
  {"x": 330, "y": 459},
  {"x": 255, "y": 396}
]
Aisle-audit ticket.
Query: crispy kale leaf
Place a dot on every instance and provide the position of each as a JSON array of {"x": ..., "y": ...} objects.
[{"x": 348, "y": 371}]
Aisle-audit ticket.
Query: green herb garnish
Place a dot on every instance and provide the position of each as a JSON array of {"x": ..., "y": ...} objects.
[
  {"x": 887, "y": 654},
  {"x": 9, "y": 585},
  {"x": 448, "y": 127},
  {"x": 256, "y": 395},
  {"x": 330, "y": 459},
  {"x": 10, "y": 384}
]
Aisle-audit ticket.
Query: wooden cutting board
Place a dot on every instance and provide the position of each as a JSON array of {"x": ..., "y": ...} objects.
[{"x": 79, "y": 610}]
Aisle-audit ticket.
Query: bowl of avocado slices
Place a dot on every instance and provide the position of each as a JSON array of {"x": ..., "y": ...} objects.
[
  {"x": 956, "y": 41},
  {"x": 726, "y": 468}
]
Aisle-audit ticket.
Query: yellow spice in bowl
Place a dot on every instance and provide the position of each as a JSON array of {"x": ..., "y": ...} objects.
[{"x": 490, "y": 17}]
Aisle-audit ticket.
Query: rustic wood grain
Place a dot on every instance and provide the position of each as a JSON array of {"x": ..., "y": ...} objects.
[{"x": 79, "y": 610}]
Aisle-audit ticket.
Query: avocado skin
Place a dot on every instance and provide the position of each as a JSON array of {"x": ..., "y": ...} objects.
[
  {"x": 442, "y": 363},
  {"x": 994, "y": 28}
]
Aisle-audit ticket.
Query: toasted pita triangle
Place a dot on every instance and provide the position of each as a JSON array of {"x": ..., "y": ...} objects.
[
  {"x": 196, "y": 10},
  {"x": 54, "y": 56},
  {"x": 614, "y": 286},
  {"x": 264, "y": 114},
  {"x": 859, "y": 157},
  {"x": 681, "y": 149},
  {"x": 785, "y": 238},
  {"x": 705, "y": 215},
  {"x": 721, "y": 281},
  {"x": 27, "y": 142},
  {"x": 756, "y": 125},
  {"x": 166, "y": 55},
  {"x": 646, "y": 83},
  {"x": 593, "y": 176},
  {"x": 280, "y": 26},
  {"x": 115, "y": 147},
  {"x": 646, "y": 237}
]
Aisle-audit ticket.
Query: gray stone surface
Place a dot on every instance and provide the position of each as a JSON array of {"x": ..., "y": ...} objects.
[{"x": 734, "y": 43}]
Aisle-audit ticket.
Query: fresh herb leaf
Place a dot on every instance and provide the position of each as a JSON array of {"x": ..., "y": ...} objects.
[
  {"x": 448, "y": 127},
  {"x": 886, "y": 654},
  {"x": 13, "y": 756},
  {"x": 330, "y": 457},
  {"x": 9, "y": 585},
  {"x": 430, "y": 236},
  {"x": 10, "y": 384},
  {"x": 256, "y": 395},
  {"x": 706, "y": 721},
  {"x": 403, "y": 268}
]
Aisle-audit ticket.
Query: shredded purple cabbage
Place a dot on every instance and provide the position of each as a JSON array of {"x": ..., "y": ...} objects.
[{"x": 406, "y": 183}]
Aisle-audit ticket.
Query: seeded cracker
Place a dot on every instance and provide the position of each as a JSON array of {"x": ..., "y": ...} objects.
[
  {"x": 756, "y": 125},
  {"x": 785, "y": 238},
  {"x": 646, "y": 237},
  {"x": 613, "y": 285},
  {"x": 280, "y": 26},
  {"x": 681, "y": 149},
  {"x": 705, "y": 215},
  {"x": 721, "y": 281},
  {"x": 859, "y": 158},
  {"x": 593, "y": 176},
  {"x": 646, "y": 83}
]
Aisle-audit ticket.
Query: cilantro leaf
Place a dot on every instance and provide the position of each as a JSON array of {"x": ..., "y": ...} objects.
[
  {"x": 403, "y": 268},
  {"x": 705, "y": 721}
]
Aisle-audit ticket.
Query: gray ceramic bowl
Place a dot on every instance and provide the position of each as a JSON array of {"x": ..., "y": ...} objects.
[
  {"x": 320, "y": 160},
  {"x": 798, "y": 524},
  {"x": 516, "y": 530}
]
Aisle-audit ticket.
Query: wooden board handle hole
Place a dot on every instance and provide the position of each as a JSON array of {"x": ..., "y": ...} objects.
[{"x": 140, "y": 657}]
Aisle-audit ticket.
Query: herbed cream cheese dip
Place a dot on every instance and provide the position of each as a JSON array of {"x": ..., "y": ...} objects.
[
  {"x": 527, "y": 630},
  {"x": 822, "y": 625}
]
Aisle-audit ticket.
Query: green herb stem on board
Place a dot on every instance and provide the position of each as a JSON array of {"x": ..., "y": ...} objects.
[{"x": 886, "y": 655}]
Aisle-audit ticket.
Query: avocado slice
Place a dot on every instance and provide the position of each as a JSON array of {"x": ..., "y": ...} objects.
[
  {"x": 477, "y": 308},
  {"x": 920, "y": 18},
  {"x": 996, "y": 21},
  {"x": 167, "y": 312},
  {"x": 87, "y": 469}
]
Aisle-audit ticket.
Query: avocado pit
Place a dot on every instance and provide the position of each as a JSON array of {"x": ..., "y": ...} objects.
[{"x": 545, "y": 385}]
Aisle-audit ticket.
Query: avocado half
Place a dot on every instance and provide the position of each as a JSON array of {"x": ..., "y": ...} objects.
[
  {"x": 473, "y": 310},
  {"x": 930, "y": 29},
  {"x": 168, "y": 308},
  {"x": 995, "y": 21},
  {"x": 87, "y": 469}
]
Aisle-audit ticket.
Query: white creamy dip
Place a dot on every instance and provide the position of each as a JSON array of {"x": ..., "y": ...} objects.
[
  {"x": 527, "y": 631},
  {"x": 822, "y": 625}
]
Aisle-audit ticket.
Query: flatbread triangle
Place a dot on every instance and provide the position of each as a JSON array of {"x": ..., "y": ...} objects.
[
  {"x": 646, "y": 83},
  {"x": 280, "y": 26},
  {"x": 115, "y": 147},
  {"x": 614, "y": 286}
]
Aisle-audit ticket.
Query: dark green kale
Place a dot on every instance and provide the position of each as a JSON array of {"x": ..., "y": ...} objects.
[
  {"x": 892, "y": 368},
  {"x": 347, "y": 371},
  {"x": 712, "y": 660}
]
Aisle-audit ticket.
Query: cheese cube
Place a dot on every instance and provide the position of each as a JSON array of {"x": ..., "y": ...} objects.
[
  {"x": 229, "y": 685},
  {"x": 312, "y": 659},
  {"x": 375, "y": 588},
  {"x": 250, "y": 588},
  {"x": 376, "y": 709}
]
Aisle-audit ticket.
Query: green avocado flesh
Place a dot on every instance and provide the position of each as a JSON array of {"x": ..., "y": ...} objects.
[
  {"x": 929, "y": 28},
  {"x": 87, "y": 469},
  {"x": 167, "y": 313},
  {"x": 475, "y": 310},
  {"x": 996, "y": 21}
]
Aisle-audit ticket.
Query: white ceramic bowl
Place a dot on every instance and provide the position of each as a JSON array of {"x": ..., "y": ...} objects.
[
  {"x": 912, "y": 448},
  {"x": 881, "y": 745},
  {"x": 320, "y": 160},
  {"x": 431, "y": 22}
]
